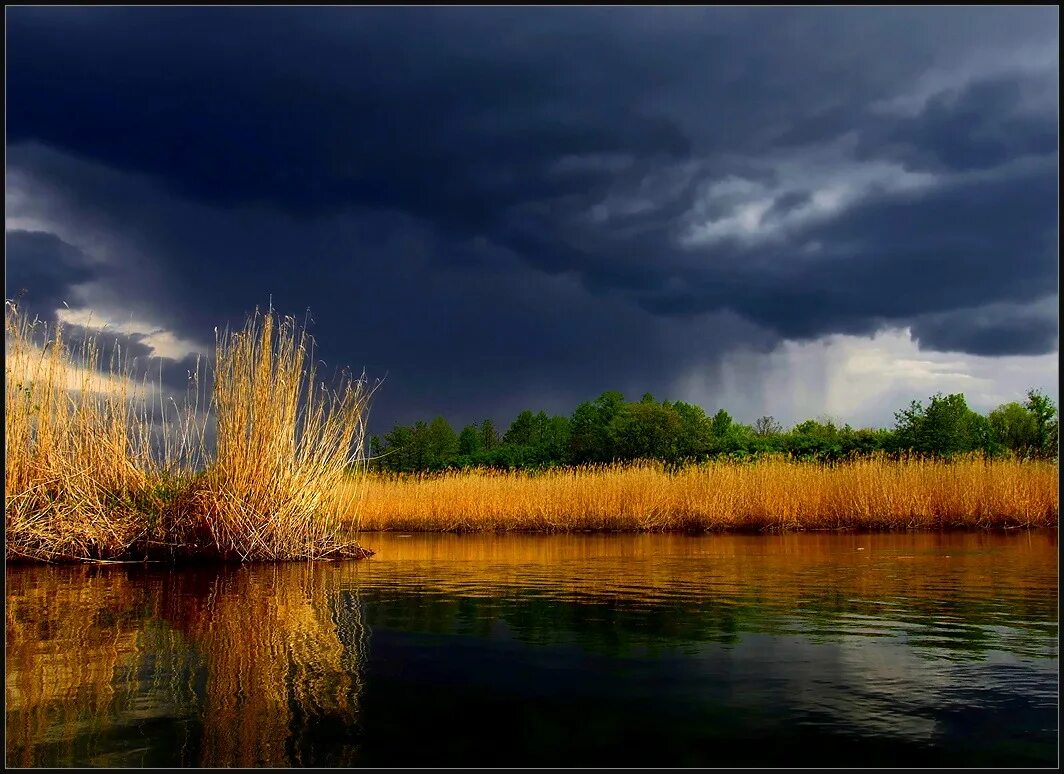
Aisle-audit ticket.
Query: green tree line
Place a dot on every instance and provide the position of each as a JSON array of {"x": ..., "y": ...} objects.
[{"x": 609, "y": 429}]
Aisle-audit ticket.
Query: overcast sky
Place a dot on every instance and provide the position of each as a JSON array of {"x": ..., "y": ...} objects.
[{"x": 794, "y": 212}]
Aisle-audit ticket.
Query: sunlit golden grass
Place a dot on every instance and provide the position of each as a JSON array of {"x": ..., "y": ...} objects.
[
  {"x": 78, "y": 468},
  {"x": 91, "y": 473},
  {"x": 285, "y": 445},
  {"x": 771, "y": 494}
]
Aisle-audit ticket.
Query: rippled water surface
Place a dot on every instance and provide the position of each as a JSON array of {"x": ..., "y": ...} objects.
[{"x": 650, "y": 650}]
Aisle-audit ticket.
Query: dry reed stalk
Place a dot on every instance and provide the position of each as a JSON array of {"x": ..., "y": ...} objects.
[
  {"x": 77, "y": 481},
  {"x": 775, "y": 494},
  {"x": 89, "y": 475},
  {"x": 285, "y": 443}
]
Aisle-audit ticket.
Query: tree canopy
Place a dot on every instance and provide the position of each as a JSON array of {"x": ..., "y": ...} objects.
[{"x": 609, "y": 429}]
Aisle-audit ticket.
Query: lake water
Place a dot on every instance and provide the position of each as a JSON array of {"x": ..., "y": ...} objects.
[{"x": 619, "y": 650}]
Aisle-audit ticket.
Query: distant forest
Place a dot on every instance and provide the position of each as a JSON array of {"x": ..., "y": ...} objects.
[{"x": 609, "y": 429}]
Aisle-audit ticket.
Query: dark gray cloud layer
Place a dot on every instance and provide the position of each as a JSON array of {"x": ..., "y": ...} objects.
[
  {"x": 508, "y": 206},
  {"x": 43, "y": 266}
]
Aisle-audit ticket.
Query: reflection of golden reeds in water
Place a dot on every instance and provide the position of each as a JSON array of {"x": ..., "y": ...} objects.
[
  {"x": 273, "y": 657},
  {"x": 251, "y": 660},
  {"x": 926, "y": 569},
  {"x": 774, "y": 494},
  {"x": 279, "y": 647},
  {"x": 68, "y": 634}
]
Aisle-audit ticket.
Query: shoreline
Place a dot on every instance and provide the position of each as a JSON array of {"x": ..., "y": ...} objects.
[
  {"x": 360, "y": 551},
  {"x": 769, "y": 497},
  {"x": 747, "y": 532}
]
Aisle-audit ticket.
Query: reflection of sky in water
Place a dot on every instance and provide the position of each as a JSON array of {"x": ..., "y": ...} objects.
[
  {"x": 876, "y": 686},
  {"x": 941, "y": 644}
]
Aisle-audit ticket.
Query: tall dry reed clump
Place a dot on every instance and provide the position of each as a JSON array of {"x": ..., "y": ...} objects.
[
  {"x": 771, "y": 494},
  {"x": 90, "y": 473},
  {"x": 285, "y": 443},
  {"x": 79, "y": 472}
]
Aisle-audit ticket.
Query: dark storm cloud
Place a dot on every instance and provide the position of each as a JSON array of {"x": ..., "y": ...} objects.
[
  {"x": 896, "y": 257},
  {"x": 992, "y": 331},
  {"x": 309, "y": 110},
  {"x": 437, "y": 111},
  {"x": 979, "y": 126},
  {"x": 490, "y": 204},
  {"x": 464, "y": 328},
  {"x": 43, "y": 273},
  {"x": 42, "y": 268},
  {"x": 788, "y": 202}
]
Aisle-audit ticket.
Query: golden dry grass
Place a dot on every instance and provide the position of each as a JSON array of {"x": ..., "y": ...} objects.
[
  {"x": 285, "y": 444},
  {"x": 78, "y": 466},
  {"x": 90, "y": 474},
  {"x": 772, "y": 494}
]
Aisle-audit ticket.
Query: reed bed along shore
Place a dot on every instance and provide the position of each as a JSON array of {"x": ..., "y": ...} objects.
[
  {"x": 767, "y": 495},
  {"x": 96, "y": 467}
]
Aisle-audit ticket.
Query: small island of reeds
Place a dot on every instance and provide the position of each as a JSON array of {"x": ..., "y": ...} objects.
[{"x": 97, "y": 468}]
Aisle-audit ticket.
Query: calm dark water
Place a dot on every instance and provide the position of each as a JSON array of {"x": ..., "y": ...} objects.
[{"x": 654, "y": 650}]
